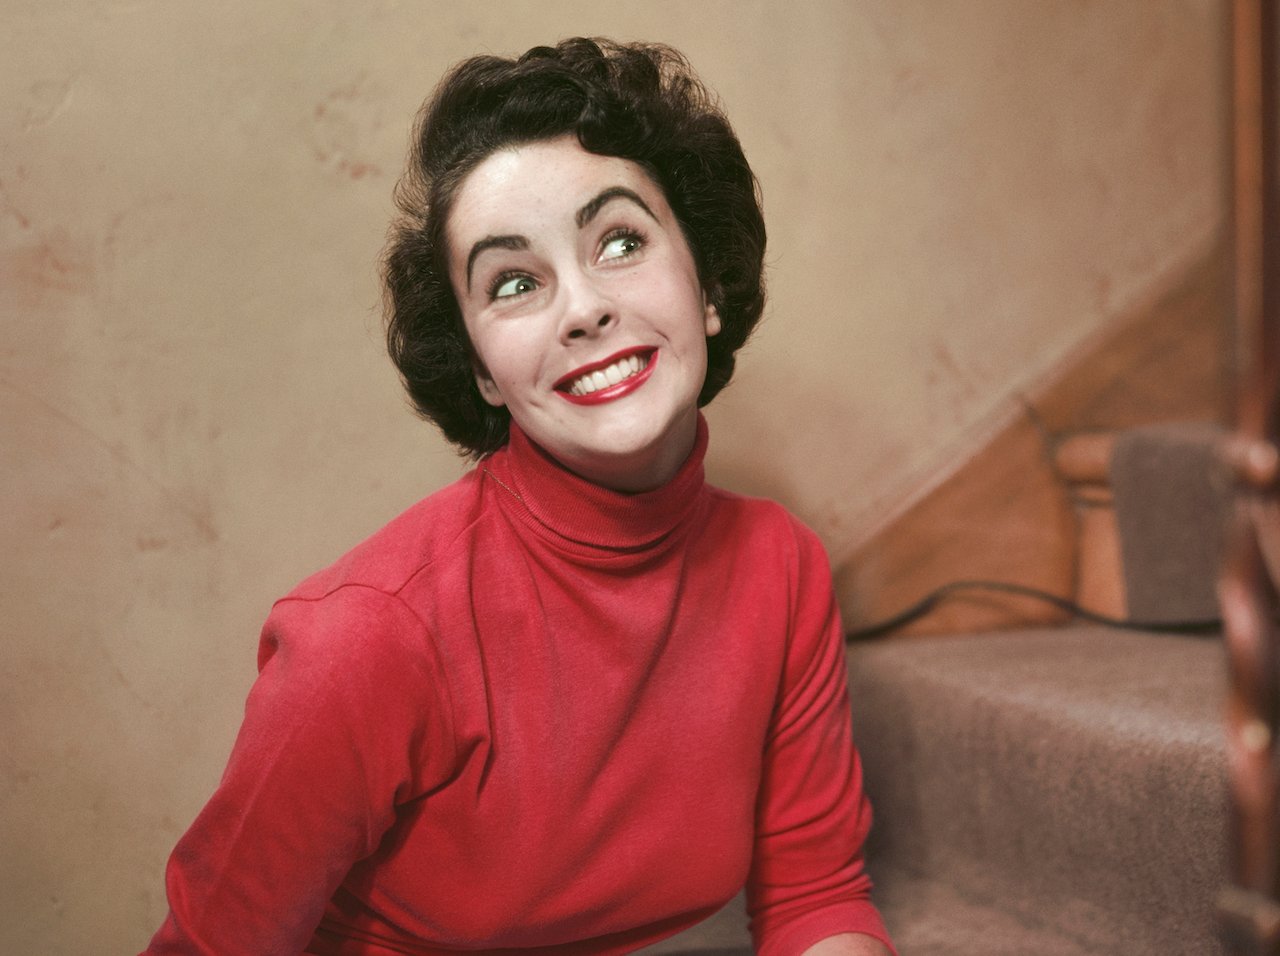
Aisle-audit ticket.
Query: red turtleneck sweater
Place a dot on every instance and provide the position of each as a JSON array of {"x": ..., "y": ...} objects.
[{"x": 537, "y": 716}]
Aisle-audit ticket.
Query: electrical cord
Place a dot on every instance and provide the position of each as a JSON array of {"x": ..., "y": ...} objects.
[{"x": 937, "y": 596}]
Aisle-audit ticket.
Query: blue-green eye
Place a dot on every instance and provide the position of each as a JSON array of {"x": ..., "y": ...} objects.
[
  {"x": 621, "y": 244},
  {"x": 506, "y": 286}
]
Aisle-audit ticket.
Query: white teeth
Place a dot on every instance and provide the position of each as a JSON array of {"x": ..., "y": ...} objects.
[{"x": 603, "y": 378}]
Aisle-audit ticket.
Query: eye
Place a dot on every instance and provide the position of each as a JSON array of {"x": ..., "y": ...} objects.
[
  {"x": 620, "y": 244},
  {"x": 507, "y": 285}
]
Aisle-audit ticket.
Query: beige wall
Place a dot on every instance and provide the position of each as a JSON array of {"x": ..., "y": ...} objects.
[{"x": 195, "y": 410}]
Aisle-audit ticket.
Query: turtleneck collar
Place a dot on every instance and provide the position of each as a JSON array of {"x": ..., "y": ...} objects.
[{"x": 575, "y": 510}]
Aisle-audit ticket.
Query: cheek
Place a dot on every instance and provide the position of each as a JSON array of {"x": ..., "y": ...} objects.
[{"x": 505, "y": 354}]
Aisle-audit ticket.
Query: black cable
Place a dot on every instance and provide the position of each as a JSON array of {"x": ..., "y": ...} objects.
[{"x": 935, "y": 597}]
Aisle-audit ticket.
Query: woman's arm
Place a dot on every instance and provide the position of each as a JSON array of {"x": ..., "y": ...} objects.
[
  {"x": 808, "y": 880},
  {"x": 311, "y": 786},
  {"x": 848, "y": 944}
]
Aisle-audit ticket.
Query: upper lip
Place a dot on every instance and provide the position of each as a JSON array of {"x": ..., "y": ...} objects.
[{"x": 565, "y": 381}]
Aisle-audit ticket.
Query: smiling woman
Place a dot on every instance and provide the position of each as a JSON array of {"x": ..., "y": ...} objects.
[{"x": 574, "y": 702}]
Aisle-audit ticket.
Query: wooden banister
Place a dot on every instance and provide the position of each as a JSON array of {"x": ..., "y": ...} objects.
[{"x": 1250, "y": 583}]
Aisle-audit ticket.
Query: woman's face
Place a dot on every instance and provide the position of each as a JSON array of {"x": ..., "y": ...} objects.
[{"x": 584, "y": 308}]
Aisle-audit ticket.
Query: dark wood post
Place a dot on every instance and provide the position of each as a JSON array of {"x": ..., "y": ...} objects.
[{"x": 1250, "y": 582}]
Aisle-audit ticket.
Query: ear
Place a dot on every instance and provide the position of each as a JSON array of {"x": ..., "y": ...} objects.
[
  {"x": 488, "y": 387},
  {"x": 711, "y": 316}
]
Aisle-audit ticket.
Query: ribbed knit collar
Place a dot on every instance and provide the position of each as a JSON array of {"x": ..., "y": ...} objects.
[{"x": 579, "y": 511}]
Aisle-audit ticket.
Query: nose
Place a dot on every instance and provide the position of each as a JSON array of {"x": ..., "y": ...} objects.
[{"x": 587, "y": 311}]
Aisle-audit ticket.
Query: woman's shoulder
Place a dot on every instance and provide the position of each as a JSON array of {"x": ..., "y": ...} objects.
[{"x": 764, "y": 519}]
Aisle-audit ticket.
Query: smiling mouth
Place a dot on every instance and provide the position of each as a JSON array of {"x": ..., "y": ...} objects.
[{"x": 607, "y": 376}]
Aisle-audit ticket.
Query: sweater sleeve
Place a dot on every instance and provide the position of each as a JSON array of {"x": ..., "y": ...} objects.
[
  {"x": 808, "y": 879},
  {"x": 347, "y": 720}
]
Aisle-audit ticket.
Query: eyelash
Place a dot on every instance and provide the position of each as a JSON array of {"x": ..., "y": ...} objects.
[
  {"x": 502, "y": 279},
  {"x": 624, "y": 233}
]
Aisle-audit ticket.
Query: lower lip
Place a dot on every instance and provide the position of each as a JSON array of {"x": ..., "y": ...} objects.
[{"x": 614, "y": 392}]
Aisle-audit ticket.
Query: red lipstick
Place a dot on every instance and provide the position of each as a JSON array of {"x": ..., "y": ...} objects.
[{"x": 610, "y": 392}]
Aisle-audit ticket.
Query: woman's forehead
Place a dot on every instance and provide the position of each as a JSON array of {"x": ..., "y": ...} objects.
[{"x": 548, "y": 178}]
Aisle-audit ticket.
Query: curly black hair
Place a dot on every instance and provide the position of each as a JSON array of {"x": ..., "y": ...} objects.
[{"x": 636, "y": 101}]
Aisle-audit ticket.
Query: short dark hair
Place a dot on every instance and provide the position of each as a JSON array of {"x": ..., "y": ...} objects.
[{"x": 636, "y": 101}]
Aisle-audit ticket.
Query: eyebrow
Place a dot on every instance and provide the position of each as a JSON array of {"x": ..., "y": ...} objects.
[
  {"x": 582, "y": 217},
  {"x": 592, "y": 207},
  {"x": 493, "y": 242}
]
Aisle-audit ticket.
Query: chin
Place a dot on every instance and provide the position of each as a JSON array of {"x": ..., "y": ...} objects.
[{"x": 642, "y": 435}]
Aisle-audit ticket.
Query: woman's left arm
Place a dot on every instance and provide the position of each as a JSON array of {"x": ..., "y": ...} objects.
[{"x": 809, "y": 890}]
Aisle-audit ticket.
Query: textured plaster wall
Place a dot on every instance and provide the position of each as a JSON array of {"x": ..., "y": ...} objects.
[{"x": 195, "y": 411}]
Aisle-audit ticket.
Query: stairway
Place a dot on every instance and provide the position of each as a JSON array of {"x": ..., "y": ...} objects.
[{"x": 1063, "y": 790}]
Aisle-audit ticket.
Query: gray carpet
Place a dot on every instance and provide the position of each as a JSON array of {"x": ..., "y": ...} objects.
[{"x": 1068, "y": 783}]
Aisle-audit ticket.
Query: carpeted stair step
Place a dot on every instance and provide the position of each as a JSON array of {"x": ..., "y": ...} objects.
[
  {"x": 1045, "y": 792},
  {"x": 931, "y": 917}
]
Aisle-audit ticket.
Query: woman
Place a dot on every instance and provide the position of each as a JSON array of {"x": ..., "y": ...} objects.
[{"x": 573, "y": 702}]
